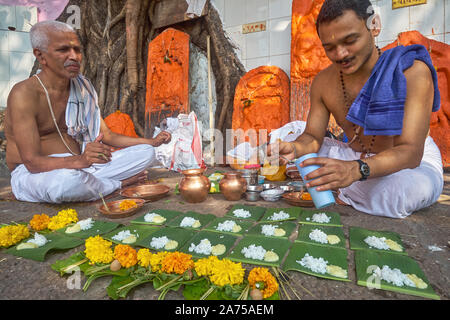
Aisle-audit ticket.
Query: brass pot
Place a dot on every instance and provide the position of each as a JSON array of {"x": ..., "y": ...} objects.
[
  {"x": 233, "y": 186},
  {"x": 194, "y": 186}
]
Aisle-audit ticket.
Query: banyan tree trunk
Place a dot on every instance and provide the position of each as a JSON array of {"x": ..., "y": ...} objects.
[{"x": 115, "y": 35}]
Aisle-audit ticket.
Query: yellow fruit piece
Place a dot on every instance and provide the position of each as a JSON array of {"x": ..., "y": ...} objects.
[
  {"x": 172, "y": 244},
  {"x": 393, "y": 245},
  {"x": 130, "y": 239},
  {"x": 196, "y": 224},
  {"x": 278, "y": 232},
  {"x": 271, "y": 256},
  {"x": 417, "y": 281},
  {"x": 236, "y": 228},
  {"x": 158, "y": 219},
  {"x": 333, "y": 239},
  {"x": 218, "y": 250},
  {"x": 73, "y": 229},
  {"x": 337, "y": 271},
  {"x": 27, "y": 245}
]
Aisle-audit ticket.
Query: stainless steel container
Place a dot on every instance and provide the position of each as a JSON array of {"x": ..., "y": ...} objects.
[{"x": 253, "y": 192}]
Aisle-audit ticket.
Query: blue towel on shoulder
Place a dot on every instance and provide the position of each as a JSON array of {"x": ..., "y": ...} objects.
[{"x": 380, "y": 105}]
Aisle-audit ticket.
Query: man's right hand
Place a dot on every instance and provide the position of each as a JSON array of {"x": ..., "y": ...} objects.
[
  {"x": 96, "y": 152},
  {"x": 286, "y": 151},
  {"x": 162, "y": 137}
]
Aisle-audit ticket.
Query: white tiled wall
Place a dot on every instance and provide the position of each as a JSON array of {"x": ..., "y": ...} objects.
[
  {"x": 16, "y": 57},
  {"x": 273, "y": 46}
]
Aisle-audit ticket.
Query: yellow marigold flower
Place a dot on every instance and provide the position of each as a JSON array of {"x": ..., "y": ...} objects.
[
  {"x": 156, "y": 261},
  {"x": 98, "y": 250},
  {"x": 227, "y": 272},
  {"x": 127, "y": 204},
  {"x": 126, "y": 255},
  {"x": 262, "y": 275},
  {"x": 144, "y": 256},
  {"x": 39, "y": 222},
  {"x": 63, "y": 218},
  {"x": 177, "y": 262},
  {"x": 204, "y": 266},
  {"x": 10, "y": 235}
]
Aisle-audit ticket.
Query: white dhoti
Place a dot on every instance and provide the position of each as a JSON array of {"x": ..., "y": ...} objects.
[
  {"x": 68, "y": 185},
  {"x": 396, "y": 195}
]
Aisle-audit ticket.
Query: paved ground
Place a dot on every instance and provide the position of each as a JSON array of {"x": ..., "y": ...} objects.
[{"x": 26, "y": 279}]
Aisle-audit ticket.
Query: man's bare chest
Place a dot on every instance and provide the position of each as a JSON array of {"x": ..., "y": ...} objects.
[{"x": 45, "y": 121}]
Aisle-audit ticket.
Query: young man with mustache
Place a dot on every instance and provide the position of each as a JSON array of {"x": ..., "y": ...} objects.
[
  {"x": 383, "y": 102},
  {"x": 59, "y": 147}
]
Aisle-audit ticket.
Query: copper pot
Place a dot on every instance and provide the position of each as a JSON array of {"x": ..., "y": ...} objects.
[
  {"x": 233, "y": 186},
  {"x": 194, "y": 186}
]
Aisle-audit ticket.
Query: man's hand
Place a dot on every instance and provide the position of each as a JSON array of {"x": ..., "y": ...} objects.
[
  {"x": 162, "y": 138},
  {"x": 286, "y": 151},
  {"x": 332, "y": 174},
  {"x": 96, "y": 152}
]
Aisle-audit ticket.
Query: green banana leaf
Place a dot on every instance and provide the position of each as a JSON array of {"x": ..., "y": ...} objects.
[
  {"x": 98, "y": 228},
  {"x": 357, "y": 236},
  {"x": 367, "y": 260},
  {"x": 279, "y": 246},
  {"x": 76, "y": 260},
  {"x": 334, "y": 256},
  {"x": 141, "y": 232},
  {"x": 215, "y": 238},
  {"x": 56, "y": 241},
  {"x": 204, "y": 219},
  {"x": 168, "y": 214},
  {"x": 305, "y": 230},
  {"x": 287, "y": 226},
  {"x": 119, "y": 281},
  {"x": 181, "y": 235},
  {"x": 245, "y": 226},
  {"x": 294, "y": 214},
  {"x": 256, "y": 212},
  {"x": 306, "y": 218}
]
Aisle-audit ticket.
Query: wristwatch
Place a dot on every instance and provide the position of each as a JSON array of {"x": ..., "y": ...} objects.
[{"x": 364, "y": 169}]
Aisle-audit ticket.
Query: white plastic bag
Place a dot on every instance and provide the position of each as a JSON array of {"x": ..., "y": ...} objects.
[{"x": 289, "y": 132}]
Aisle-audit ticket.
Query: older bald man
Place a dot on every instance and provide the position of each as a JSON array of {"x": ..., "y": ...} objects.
[{"x": 59, "y": 147}]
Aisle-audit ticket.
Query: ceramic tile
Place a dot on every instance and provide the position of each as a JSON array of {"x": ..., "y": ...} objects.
[
  {"x": 4, "y": 92},
  {"x": 280, "y": 36},
  {"x": 238, "y": 40},
  {"x": 393, "y": 22},
  {"x": 280, "y": 8},
  {"x": 256, "y": 10},
  {"x": 26, "y": 17},
  {"x": 255, "y": 63},
  {"x": 428, "y": 18},
  {"x": 19, "y": 41},
  {"x": 447, "y": 16},
  {"x": 283, "y": 62},
  {"x": 7, "y": 17},
  {"x": 257, "y": 44},
  {"x": 20, "y": 65},
  {"x": 4, "y": 40},
  {"x": 234, "y": 13},
  {"x": 4, "y": 65}
]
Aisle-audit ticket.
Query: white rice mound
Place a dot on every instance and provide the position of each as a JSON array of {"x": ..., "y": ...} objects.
[
  {"x": 226, "y": 226},
  {"x": 241, "y": 213},
  {"x": 187, "y": 222},
  {"x": 268, "y": 230},
  {"x": 159, "y": 243},
  {"x": 320, "y": 218},
  {"x": 204, "y": 247},
  {"x": 149, "y": 217},
  {"x": 38, "y": 240},
  {"x": 254, "y": 252},
  {"x": 86, "y": 224},
  {"x": 279, "y": 216},
  {"x": 318, "y": 265},
  {"x": 122, "y": 235},
  {"x": 394, "y": 276},
  {"x": 376, "y": 242},
  {"x": 318, "y": 236}
]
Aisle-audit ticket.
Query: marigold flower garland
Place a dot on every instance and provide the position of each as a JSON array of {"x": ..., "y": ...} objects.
[
  {"x": 10, "y": 235},
  {"x": 63, "y": 218},
  {"x": 262, "y": 279},
  {"x": 126, "y": 255},
  {"x": 40, "y": 222},
  {"x": 144, "y": 256},
  {"x": 98, "y": 250},
  {"x": 127, "y": 204}
]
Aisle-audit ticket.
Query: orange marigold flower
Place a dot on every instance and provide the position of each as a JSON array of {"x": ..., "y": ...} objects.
[
  {"x": 262, "y": 276},
  {"x": 40, "y": 222},
  {"x": 127, "y": 204},
  {"x": 177, "y": 262},
  {"x": 126, "y": 255}
]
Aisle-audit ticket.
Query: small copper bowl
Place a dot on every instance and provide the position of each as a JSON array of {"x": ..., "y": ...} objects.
[
  {"x": 148, "y": 192},
  {"x": 295, "y": 199},
  {"x": 114, "y": 209}
]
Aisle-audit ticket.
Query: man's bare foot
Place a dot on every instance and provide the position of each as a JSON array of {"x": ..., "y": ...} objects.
[{"x": 139, "y": 178}]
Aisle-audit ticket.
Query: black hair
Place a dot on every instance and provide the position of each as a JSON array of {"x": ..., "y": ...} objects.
[{"x": 332, "y": 9}]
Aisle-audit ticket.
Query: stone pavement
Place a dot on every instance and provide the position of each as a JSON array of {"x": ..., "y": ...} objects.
[{"x": 27, "y": 279}]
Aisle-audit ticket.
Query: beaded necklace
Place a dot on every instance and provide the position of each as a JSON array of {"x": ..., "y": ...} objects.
[{"x": 365, "y": 152}]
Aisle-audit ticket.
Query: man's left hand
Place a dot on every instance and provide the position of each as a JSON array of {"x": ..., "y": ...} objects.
[
  {"x": 332, "y": 174},
  {"x": 162, "y": 138}
]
